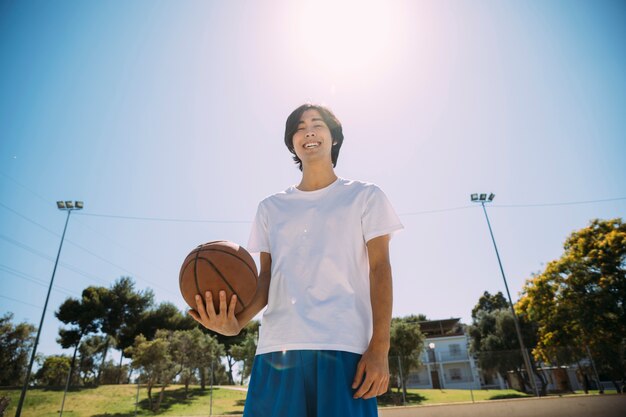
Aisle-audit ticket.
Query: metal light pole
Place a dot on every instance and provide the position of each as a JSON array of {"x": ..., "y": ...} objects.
[
  {"x": 431, "y": 346},
  {"x": 482, "y": 199},
  {"x": 61, "y": 205}
]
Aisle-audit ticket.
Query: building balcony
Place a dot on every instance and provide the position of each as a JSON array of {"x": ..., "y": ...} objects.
[{"x": 443, "y": 357}]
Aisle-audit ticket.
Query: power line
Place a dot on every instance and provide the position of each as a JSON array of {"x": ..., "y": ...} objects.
[
  {"x": 163, "y": 219},
  {"x": 126, "y": 248},
  {"x": 46, "y": 201},
  {"x": 81, "y": 247},
  {"x": 58, "y": 235},
  {"x": 414, "y": 213},
  {"x": 570, "y": 203},
  {"x": 21, "y": 302},
  {"x": 29, "y": 220},
  {"x": 26, "y": 247},
  {"x": 35, "y": 280},
  {"x": 44, "y": 256}
]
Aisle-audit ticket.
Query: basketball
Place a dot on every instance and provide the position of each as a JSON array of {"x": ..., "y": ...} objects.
[{"x": 216, "y": 266}]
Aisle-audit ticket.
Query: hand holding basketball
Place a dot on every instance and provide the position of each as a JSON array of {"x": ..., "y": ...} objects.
[
  {"x": 223, "y": 322},
  {"x": 210, "y": 275}
]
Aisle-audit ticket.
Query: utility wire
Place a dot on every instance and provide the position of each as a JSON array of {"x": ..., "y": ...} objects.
[
  {"x": 44, "y": 256},
  {"x": 414, "y": 213},
  {"x": 35, "y": 280},
  {"x": 113, "y": 241},
  {"x": 163, "y": 219},
  {"x": 29, "y": 220},
  {"x": 47, "y": 204},
  {"x": 46, "y": 201},
  {"x": 570, "y": 203},
  {"x": 81, "y": 247},
  {"x": 21, "y": 302}
]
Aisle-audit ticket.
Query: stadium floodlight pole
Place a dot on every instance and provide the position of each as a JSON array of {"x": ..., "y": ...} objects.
[
  {"x": 61, "y": 205},
  {"x": 482, "y": 199}
]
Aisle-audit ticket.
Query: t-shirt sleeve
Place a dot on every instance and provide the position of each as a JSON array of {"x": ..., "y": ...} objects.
[
  {"x": 379, "y": 217},
  {"x": 259, "y": 234}
]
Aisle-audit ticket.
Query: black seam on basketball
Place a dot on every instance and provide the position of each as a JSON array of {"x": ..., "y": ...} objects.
[
  {"x": 231, "y": 254},
  {"x": 223, "y": 279},
  {"x": 195, "y": 272}
]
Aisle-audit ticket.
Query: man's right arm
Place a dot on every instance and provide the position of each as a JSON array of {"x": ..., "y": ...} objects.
[{"x": 226, "y": 322}]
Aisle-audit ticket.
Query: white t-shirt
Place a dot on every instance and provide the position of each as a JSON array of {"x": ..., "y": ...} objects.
[{"x": 319, "y": 296}]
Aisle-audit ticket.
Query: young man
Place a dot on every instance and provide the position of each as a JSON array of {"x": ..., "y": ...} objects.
[{"x": 326, "y": 280}]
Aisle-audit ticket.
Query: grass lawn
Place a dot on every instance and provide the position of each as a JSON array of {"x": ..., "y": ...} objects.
[
  {"x": 119, "y": 401},
  {"x": 446, "y": 396}
]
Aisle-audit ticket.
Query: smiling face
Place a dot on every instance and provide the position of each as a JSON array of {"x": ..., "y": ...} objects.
[
  {"x": 317, "y": 122},
  {"x": 312, "y": 141}
]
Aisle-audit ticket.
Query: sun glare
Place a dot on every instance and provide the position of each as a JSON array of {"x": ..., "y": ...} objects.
[{"x": 348, "y": 37}]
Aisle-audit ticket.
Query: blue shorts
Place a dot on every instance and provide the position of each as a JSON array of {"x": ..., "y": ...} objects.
[{"x": 305, "y": 383}]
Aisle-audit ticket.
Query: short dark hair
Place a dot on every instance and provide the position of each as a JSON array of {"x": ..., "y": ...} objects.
[{"x": 336, "y": 131}]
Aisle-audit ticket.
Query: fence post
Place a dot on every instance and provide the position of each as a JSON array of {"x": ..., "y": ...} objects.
[
  {"x": 595, "y": 371},
  {"x": 211, "y": 394},
  {"x": 137, "y": 397},
  {"x": 401, "y": 381}
]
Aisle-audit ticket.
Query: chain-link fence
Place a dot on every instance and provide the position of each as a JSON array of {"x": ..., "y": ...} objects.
[
  {"x": 445, "y": 374},
  {"x": 451, "y": 375}
]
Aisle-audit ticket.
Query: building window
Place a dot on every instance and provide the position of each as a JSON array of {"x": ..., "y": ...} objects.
[
  {"x": 455, "y": 349},
  {"x": 455, "y": 374}
]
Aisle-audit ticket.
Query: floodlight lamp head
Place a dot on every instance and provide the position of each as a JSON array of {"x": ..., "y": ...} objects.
[
  {"x": 79, "y": 205},
  {"x": 474, "y": 197},
  {"x": 69, "y": 204},
  {"x": 483, "y": 197},
  {"x": 491, "y": 196},
  {"x": 61, "y": 205}
]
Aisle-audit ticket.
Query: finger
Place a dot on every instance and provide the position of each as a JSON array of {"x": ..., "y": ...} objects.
[
  {"x": 365, "y": 387},
  {"x": 195, "y": 315},
  {"x": 201, "y": 310},
  {"x": 210, "y": 307},
  {"x": 384, "y": 385},
  {"x": 374, "y": 388},
  {"x": 222, "y": 303},
  {"x": 358, "y": 377},
  {"x": 232, "y": 306}
]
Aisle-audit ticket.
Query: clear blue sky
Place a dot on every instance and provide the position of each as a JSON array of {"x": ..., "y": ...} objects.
[{"x": 176, "y": 110}]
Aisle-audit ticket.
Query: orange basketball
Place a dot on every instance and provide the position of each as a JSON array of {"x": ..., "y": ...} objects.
[{"x": 216, "y": 266}]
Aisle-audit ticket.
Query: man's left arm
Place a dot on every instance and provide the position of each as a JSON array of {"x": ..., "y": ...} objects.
[{"x": 372, "y": 374}]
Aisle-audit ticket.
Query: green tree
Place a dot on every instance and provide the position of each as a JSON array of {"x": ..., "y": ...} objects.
[
  {"x": 406, "y": 346},
  {"x": 54, "y": 370},
  {"x": 83, "y": 315},
  {"x": 244, "y": 351},
  {"x": 229, "y": 342},
  {"x": 579, "y": 299},
  {"x": 111, "y": 371},
  {"x": 186, "y": 351},
  {"x": 153, "y": 359},
  {"x": 165, "y": 316},
  {"x": 212, "y": 352},
  {"x": 123, "y": 308},
  {"x": 494, "y": 341},
  {"x": 489, "y": 303},
  {"x": 90, "y": 350},
  {"x": 16, "y": 341}
]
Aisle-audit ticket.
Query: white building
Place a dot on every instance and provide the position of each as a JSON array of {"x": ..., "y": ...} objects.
[{"x": 446, "y": 362}]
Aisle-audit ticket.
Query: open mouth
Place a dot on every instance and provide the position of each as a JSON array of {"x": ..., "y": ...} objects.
[{"x": 311, "y": 145}]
